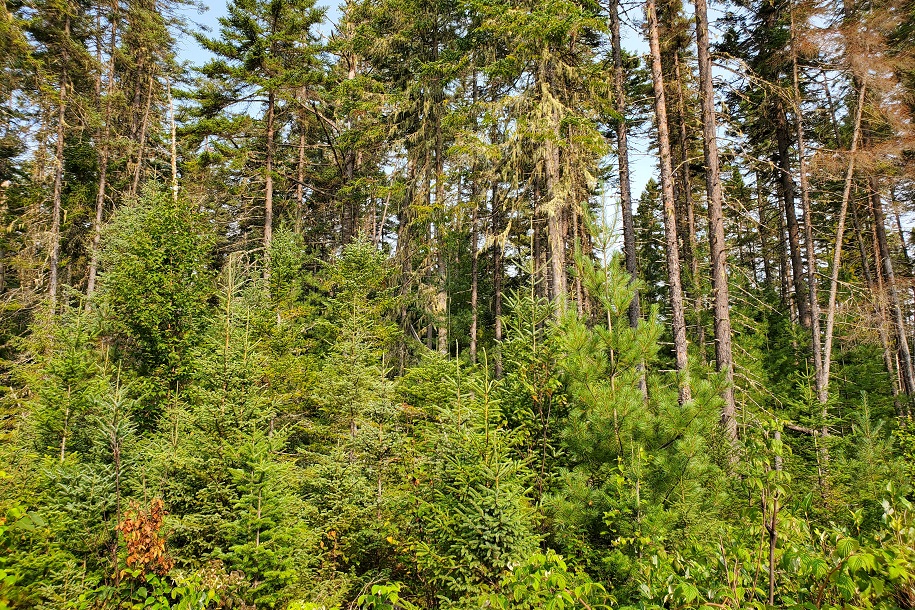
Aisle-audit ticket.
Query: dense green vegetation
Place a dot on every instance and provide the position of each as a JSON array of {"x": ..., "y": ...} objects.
[{"x": 360, "y": 322}]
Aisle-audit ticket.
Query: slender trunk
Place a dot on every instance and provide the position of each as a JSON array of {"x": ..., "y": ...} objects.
[
  {"x": 138, "y": 170},
  {"x": 497, "y": 271},
  {"x": 300, "y": 172},
  {"x": 875, "y": 289},
  {"x": 902, "y": 344},
  {"x": 442, "y": 296},
  {"x": 555, "y": 231},
  {"x": 174, "y": 143},
  {"x": 837, "y": 254},
  {"x": 58, "y": 175},
  {"x": 622, "y": 155},
  {"x": 103, "y": 159},
  {"x": 691, "y": 253},
  {"x": 812, "y": 288},
  {"x": 667, "y": 194},
  {"x": 474, "y": 282},
  {"x": 763, "y": 231},
  {"x": 794, "y": 240},
  {"x": 784, "y": 278},
  {"x": 268, "y": 179},
  {"x": 724, "y": 359}
]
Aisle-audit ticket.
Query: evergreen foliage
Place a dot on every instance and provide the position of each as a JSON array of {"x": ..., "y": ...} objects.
[{"x": 369, "y": 348}]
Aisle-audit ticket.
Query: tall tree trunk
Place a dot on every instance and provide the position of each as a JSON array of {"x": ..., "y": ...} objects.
[
  {"x": 763, "y": 231},
  {"x": 787, "y": 187},
  {"x": 667, "y": 195},
  {"x": 58, "y": 174},
  {"x": 141, "y": 144},
  {"x": 474, "y": 281},
  {"x": 103, "y": 158},
  {"x": 497, "y": 272},
  {"x": 300, "y": 173},
  {"x": 812, "y": 288},
  {"x": 875, "y": 289},
  {"x": 174, "y": 142},
  {"x": 691, "y": 247},
  {"x": 837, "y": 254},
  {"x": 902, "y": 343},
  {"x": 268, "y": 180},
  {"x": 622, "y": 155},
  {"x": 724, "y": 359},
  {"x": 442, "y": 296}
]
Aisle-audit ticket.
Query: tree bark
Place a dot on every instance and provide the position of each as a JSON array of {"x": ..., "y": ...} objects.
[
  {"x": 138, "y": 170},
  {"x": 794, "y": 240},
  {"x": 103, "y": 158},
  {"x": 667, "y": 195},
  {"x": 474, "y": 282},
  {"x": 902, "y": 344},
  {"x": 812, "y": 289},
  {"x": 837, "y": 254},
  {"x": 724, "y": 359},
  {"x": 691, "y": 248},
  {"x": 174, "y": 143},
  {"x": 497, "y": 271},
  {"x": 622, "y": 155},
  {"x": 300, "y": 173},
  {"x": 268, "y": 180},
  {"x": 58, "y": 175}
]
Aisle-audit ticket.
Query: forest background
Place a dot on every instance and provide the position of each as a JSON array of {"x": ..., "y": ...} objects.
[{"x": 370, "y": 307}]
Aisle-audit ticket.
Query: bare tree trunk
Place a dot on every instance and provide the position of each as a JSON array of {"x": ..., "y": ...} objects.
[
  {"x": 474, "y": 281},
  {"x": 622, "y": 155},
  {"x": 875, "y": 289},
  {"x": 667, "y": 195},
  {"x": 268, "y": 180},
  {"x": 794, "y": 240},
  {"x": 103, "y": 158},
  {"x": 763, "y": 231},
  {"x": 497, "y": 271},
  {"x": 138, "y": 170},
  {"x": 724, "y": 359},
  {"x": 300, "y": 171},
  {"x": 837, "y": 254},
  {"x": 693, "y": 288},
  {"x": 174, "y": 143},
  {"x": 902, "y": 344},
  {"x": 812, "y": 288},
  {"x": 442, "y": 296},
  {"x": 58, "y": 176}
]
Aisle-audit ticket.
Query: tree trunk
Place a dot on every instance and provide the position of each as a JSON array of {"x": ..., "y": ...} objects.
[
  {"x": 103, "y": 159},
  {"x": 723, "y": 357},
  {"x": 794, "y": 240},
  {"x": 812, "y": 288},
  {"x": 497, "y": 271},
  {"x": 763, "y": 231},
  {"x": 474, "y": 282},
  {"x": 174, "y": 143},
  {"x": 902, "y": 344},
  {"x": 138, "y": 170},
  {"x": 58, "y": 175},
  {"x": 691, "y": 248},
  {"x": 837, "y": 254},
  {"x": 667, "y": 195},
  {"x": 300, "y": 171},
  {"x": 875, "y": 289},
  {"x": 622, "y": 155},
  {"x": 268, "y": 180}
]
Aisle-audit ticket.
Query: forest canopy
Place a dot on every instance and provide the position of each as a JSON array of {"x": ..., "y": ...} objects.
[{"x": 366, "y": 310}]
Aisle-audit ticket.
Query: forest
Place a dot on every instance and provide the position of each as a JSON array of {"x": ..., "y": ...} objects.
[{"x": 372, "y": 309}]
